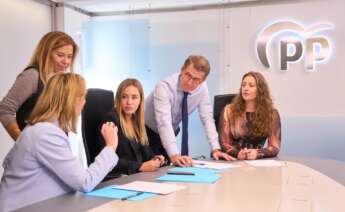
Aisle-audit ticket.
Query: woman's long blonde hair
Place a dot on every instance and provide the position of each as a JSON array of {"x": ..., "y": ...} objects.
[
  {"x": 42, "y": 57},
  {"x": 58, "y": 101},
  {"x": 262, "y": 119},
  {"x": 138, "y": 132}
]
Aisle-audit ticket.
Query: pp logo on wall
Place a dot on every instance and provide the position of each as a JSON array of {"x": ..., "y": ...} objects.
[{"x": 300, "y": 42}]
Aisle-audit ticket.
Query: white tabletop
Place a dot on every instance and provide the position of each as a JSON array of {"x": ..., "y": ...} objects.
[{"x": 291, "y": 188}]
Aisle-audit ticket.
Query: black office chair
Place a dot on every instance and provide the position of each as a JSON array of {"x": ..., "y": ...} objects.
[
  {"x": 220, "y": 101},
  {"x": 98, "y": 103}
]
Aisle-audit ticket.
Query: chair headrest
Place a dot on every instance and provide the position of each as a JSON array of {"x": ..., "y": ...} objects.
[
  {"x": 98, "y": 103},
  {"x": 220, "y": 101}
]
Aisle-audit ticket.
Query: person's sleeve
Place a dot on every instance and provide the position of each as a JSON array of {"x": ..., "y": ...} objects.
[
  {"x": 146, "y": 152},
  {"x": 162, "y": 110},
  {"x": 109, "y": 117},
  {"x": 126, "y": 166},
  {"x": 274, "y": 139},
  {"x": 55, "y": 154},
  {"x": 206, "y": 117},
  {"x": 24, "y": 86},
  {"x": 225, "y": 134}
]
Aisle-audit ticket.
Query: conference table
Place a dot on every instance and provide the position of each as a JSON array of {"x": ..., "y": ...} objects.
[{"x": 301, "y": 185}]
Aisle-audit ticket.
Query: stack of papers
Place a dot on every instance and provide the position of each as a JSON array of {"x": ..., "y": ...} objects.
[
  {"x": 158, "y": 188},
  {"x": 213, "y": 165}
]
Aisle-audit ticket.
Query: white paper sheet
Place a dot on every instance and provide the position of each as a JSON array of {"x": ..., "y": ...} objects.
[
  {"x": 265, "y": 163},
  {"x": 158, "y": 188},
  {"x": 213, "y": 165}
]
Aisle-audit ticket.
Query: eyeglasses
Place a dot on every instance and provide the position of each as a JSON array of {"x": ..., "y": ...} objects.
[{"x": 194, "y": 80}]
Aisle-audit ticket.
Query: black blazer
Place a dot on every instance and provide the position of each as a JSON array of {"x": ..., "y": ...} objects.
[{"x": 131, "y": 153}]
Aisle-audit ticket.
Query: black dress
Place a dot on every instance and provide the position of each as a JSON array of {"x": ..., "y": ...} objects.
[
  {"x": 24, "y": 111},
  {"x": 131, "y": 153}
]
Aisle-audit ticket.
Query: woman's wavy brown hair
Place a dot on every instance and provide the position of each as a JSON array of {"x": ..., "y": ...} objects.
[{"x": 262, "y": 118}]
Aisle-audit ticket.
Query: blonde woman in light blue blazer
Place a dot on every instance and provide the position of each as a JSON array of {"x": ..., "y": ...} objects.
[{"x": 41, "y": 164}]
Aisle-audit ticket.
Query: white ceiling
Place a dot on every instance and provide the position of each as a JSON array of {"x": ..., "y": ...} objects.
[{"x": 96, "y": 6}]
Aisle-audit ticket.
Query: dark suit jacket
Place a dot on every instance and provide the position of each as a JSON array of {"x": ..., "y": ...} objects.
[{"x": 131, "y": 153}]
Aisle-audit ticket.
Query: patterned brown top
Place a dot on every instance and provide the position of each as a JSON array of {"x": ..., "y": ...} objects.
[{"x": 235, "y": 136}]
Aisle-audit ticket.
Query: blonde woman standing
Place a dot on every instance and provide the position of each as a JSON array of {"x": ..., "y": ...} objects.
[{"x": 55, "y": 52}]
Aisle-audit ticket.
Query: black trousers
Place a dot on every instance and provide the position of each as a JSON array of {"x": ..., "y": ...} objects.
[{"x": 156, "y": 143}]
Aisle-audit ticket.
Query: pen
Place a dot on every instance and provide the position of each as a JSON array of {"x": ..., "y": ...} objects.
[
  {"x": 180, "y": 173},
  {"x": 133, "y": 195}
]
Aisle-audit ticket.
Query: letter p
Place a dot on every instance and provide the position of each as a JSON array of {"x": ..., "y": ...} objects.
[{"x": 285, "y": 57}]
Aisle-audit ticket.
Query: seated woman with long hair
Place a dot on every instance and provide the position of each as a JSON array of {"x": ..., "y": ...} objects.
[
  {"x": 250, "y": 120},
  {"x": 41, "y": 164},
  {"x": 134, "y": 152}
]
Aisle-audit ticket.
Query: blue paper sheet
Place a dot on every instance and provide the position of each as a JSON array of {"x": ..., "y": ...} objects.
[
  {"x": 111, "y": 192},
  {"x": 198, "y": 178},
  {"x": 196, "y": 170}
]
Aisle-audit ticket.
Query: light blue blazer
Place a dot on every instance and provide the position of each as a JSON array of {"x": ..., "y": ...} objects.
[{"x": 41, "y": 166}]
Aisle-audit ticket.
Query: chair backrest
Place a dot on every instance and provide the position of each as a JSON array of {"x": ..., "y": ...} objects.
[
  {"x": 220, "y": 101},
  {"x": 98, "y": 103}
]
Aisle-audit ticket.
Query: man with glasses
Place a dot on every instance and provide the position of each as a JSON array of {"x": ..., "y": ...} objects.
[{"x": 170, "y": 103}]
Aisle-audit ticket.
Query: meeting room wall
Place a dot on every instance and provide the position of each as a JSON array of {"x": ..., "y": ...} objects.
[
  {"x": 22, "y": 24},
  {"x": 70, "y": 21},
  {"x": 311, "y": 102},
  {"x": 154, "y": 45},
  {"x": 149, "y": 48}
]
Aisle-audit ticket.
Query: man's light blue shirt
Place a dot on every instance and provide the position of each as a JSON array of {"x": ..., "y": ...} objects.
[{"x": 163, "y": 112}]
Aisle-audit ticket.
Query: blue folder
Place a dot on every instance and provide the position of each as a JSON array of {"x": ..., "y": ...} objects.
[
  {"x": 211, "y": 178},
  {"x": 111, "y": 192},
  {"x": 196, "y": 170},
  {"x": 201, "y": 175}
]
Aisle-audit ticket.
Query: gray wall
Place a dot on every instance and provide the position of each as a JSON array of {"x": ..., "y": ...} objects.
[
  {"x": 152, "y": 46},
  {"x": 22, "y": 23}
]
